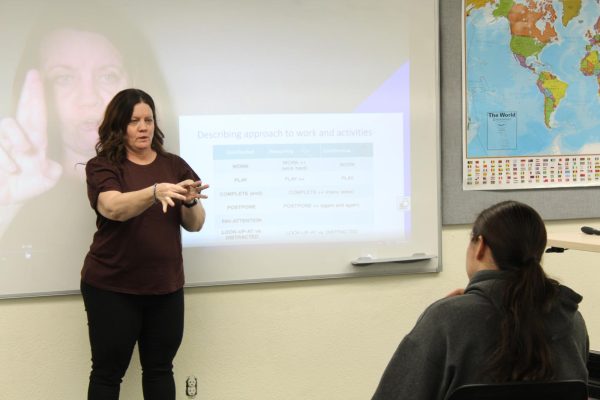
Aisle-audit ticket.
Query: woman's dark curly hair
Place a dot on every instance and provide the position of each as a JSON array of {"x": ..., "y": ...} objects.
[{"x": 113, "y": 129}]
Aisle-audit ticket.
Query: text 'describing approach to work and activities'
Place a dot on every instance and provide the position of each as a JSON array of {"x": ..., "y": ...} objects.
[{"x": 290, "y": 178}]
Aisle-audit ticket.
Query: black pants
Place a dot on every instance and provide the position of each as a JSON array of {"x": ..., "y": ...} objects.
[{"x": 116, "y": 321}]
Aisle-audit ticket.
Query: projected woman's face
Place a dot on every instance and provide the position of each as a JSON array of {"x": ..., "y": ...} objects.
[{"x": 83, "y": 71}]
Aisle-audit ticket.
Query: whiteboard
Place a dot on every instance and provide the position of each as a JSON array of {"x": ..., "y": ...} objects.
[{"x": 314, "y": 122}]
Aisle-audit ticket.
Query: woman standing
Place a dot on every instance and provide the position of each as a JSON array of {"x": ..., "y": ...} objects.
[{"x": 132, "y": 277}]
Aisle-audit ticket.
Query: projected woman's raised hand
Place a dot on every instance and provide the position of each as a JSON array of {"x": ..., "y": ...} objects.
[{"x": 25, "y": 170}]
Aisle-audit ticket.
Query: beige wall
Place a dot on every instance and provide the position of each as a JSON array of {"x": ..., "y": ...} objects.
[{"x": 325, "y": 340}]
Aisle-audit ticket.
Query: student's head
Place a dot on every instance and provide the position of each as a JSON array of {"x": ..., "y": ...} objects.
[
  {"x": 85, "y": 54},
  {"x": 514, "y": 232},
  {"x": 118, "y": 118}
]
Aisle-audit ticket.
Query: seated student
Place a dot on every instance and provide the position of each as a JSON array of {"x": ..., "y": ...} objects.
[{"x": 511, "y": 323}]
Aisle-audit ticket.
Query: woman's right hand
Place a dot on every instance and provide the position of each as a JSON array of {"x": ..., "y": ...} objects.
[{"x": 25, "y": 170}]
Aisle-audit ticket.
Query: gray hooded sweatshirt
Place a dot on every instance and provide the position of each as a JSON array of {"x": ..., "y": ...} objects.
[{"x": 455, "y": 336}]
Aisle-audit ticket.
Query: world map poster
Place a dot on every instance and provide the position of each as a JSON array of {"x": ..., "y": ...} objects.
[{"x": 532, "y": 94}]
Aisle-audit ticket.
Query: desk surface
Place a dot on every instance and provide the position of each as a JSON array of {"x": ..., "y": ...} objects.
[{"x": 575, "y": 241}]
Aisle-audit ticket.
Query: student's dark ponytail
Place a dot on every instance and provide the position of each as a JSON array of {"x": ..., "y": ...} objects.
[{"x": 516, "y": 235}]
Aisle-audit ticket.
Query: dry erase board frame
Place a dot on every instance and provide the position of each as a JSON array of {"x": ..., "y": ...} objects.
[
  {"x": 340, "y": 87},
  {"x": 459, "y": 206}
]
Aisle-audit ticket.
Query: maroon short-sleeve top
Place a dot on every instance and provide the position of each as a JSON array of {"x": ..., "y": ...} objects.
[{"x": 143, "y": 254}]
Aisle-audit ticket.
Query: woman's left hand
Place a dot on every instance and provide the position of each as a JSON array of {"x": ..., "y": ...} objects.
[{"x": 194, "y": 190}]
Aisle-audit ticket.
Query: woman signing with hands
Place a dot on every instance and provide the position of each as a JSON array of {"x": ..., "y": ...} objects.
[{"x": 132, "y": 277}]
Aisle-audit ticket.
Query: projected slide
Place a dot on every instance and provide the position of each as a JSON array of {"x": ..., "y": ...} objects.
[{"x": 298, "y": 177}]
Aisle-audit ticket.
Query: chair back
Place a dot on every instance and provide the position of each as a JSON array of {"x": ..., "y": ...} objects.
[{"x": 555, "y": 390}]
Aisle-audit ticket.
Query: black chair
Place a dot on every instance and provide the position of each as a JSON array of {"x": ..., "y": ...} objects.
[
  {"x": 593, "y": 365},
  {"x": 557, "y": 390}
]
